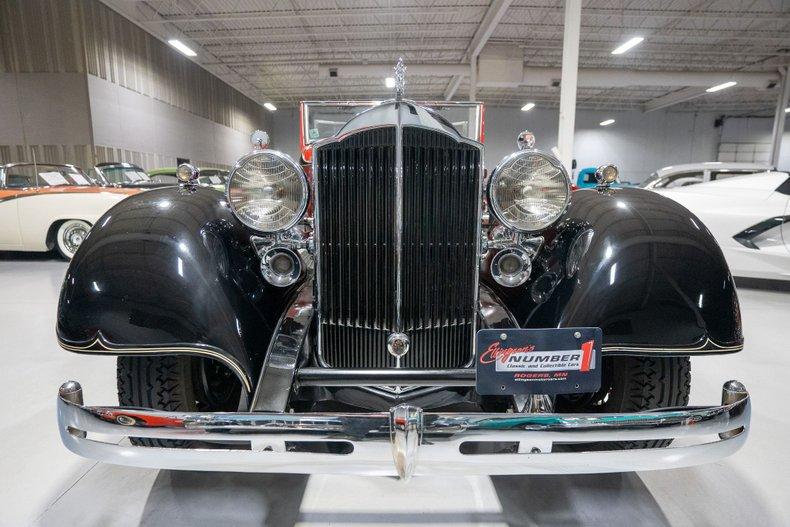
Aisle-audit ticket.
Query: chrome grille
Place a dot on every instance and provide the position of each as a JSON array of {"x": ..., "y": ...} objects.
[{"x": 356, "y": 188}]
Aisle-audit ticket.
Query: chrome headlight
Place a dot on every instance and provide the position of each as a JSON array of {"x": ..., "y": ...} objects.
[
  {"x": 267, "y": 191},
  {"x": 529, "y": 190}
]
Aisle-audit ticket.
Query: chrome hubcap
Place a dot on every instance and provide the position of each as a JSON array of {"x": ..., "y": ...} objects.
[{"x": 73, "y": 237}]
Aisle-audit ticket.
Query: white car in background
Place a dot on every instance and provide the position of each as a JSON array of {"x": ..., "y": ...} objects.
[
  {"x": 46, "y": 206},
  {"x": 750, "y": 218},
  {"x": 693, "y": 173}
]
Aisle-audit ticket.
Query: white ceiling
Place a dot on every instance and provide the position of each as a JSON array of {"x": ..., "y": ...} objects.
[{"x": 272, "y": 49}]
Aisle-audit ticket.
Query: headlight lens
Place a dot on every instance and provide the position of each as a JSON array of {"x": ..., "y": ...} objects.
[
  {"x": 268, "y": 191},
  {"x": 529, "y": 190}
]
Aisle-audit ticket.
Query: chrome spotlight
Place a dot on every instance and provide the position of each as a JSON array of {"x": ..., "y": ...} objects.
[
  {"x": 606, "y": 175},
  {"x": 186, "y": 173},
  {"x": 281, "y": 266},
  {"x": 511, "y": 267}
]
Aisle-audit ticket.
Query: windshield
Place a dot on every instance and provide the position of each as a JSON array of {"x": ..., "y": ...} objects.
[
  {"x": 324, "y": 119},
  {"x": 124, "y": 175},
  {"x": 22, "y": 176}
]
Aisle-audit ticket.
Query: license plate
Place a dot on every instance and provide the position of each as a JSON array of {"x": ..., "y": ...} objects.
[{"x": 538, "y": 361}]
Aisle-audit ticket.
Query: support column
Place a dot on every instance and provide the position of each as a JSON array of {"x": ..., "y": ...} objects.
[
  {"x": 570, "y": 69},
  {"x": 780, "y": 116},
  {"x": 473, "y": 79}
]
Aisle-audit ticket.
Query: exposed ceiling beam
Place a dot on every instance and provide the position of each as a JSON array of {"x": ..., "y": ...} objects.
[
  {"x": 612, "y": 78},
  {"x": 385, "y": 70},
  {"x": 675, "y": 97},
  {"x": 312, "y": 13},
  {"x": 496, "y": 10},
  {"x": 588, "y": 77},
  {"x": 618, "y": 12}
]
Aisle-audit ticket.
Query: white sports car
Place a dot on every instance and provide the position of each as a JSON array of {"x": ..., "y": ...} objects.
[{"x": 750, "y": 218}]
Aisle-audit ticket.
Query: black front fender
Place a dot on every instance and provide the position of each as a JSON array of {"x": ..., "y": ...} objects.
[
  {"x": 170, "y": 271},
  {"x": 638, "y": 265}
]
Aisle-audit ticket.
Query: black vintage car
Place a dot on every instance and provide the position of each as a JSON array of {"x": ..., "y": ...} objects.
[{"x": 388, "y": 309}]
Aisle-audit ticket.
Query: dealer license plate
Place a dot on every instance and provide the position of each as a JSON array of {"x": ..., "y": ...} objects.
[{"x": 538, "y": 361}]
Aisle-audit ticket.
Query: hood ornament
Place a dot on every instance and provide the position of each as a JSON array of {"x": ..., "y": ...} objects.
[{"x": 400, "y": 78}]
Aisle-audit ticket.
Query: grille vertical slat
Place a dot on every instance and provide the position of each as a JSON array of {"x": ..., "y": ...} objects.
[{"x": 355, "y": 180}]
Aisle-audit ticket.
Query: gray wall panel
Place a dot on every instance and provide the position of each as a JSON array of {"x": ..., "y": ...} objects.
[{"x": 147, "y": 101}]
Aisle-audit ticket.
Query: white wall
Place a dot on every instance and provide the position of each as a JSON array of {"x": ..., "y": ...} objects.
[
  {"x": 123, "y": 118},
  {"x": 638, "y": 143},
  {"x": 284, "y": 131},
  {"x": 757, "y": 130}
]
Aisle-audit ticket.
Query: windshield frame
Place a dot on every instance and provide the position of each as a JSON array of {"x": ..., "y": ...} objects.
[
  {"x": 74, "y": 169},
  {"x": 304, "y": 115},
  {"x": 123, "y": 167}
]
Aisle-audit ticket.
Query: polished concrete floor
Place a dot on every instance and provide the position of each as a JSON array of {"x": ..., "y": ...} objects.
[{"x": 44, "y": 484}]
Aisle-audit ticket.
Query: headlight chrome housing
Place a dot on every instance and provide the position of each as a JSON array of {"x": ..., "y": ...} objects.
[
  {"x": 529, "y": 190},
  {"x": 267, "y": 191}
]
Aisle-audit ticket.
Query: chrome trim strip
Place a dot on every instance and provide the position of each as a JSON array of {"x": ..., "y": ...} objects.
[
  {"x": 478, "y": 251},
  {"x": 713, "y": 432},
  {"x": 106, "y": 348},
  {"x": 277, "y": 374},
  {"x": 708, "y": 346},
  {"x": 381, "y": 377},
  {"x": 398, "y": 227}
]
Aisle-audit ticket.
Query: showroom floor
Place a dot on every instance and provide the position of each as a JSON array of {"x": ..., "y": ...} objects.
[{"x": 45, "y": 484}]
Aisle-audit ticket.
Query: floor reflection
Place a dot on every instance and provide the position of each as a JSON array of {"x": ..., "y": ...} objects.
[
  {"x": 183, "y": 498},
  {"x": 582, "y": 499}
]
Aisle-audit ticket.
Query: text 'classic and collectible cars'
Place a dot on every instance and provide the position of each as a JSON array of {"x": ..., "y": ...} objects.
[{"x": 387, "y": 309}]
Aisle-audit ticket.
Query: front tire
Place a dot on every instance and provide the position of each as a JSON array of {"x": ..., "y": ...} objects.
[
  {"x": 634, "y": 384},
  {"x": 176, "y": 384},
  {"x": 70, "y": 236}
]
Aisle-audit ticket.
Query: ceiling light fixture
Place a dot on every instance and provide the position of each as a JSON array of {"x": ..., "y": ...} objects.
[
  {"x": 183, "y": 48},
  {"x": 787, "y": 110},
  {"x": 625, "y": 46},
  {"x": 722, "y": 86},
  {"x": 389, "y": 82},
  {"x": 606, "y": 122},
  {"x": 527, "y": 107},
  {"x": 269, "y": 106}
]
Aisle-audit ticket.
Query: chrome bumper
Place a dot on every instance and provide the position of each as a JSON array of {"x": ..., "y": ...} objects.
[{"x": 406, "y": 440}]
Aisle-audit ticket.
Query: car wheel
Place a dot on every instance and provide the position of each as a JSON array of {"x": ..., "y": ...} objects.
[
  {"x": 633, "y": 384},
  {"x": 70, "y": 236},
  {"x": 176, "y": 384}
]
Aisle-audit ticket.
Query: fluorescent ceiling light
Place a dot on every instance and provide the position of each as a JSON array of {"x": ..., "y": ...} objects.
[
  {"x": 527, "y": 107},
  {"x": 269, "y": 106},
  {"x": 606, "y": 122},
  {"x": 625, "y": 46},
  {"x": 722, "y": 86},
  {"x": 787, "y": 110},
  {"x": 389, "y": 82},
  {"x": 183, "y": 48}
]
